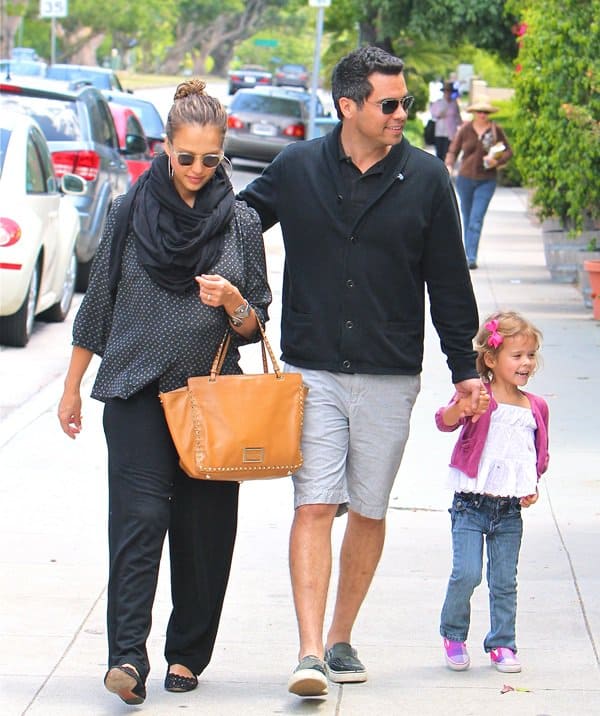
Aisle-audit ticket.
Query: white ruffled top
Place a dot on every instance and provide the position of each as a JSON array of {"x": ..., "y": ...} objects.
[{"x": 508, "y": 462}]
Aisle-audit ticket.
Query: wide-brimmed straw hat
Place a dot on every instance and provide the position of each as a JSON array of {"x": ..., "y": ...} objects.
[{"x": 482, "y": 104}]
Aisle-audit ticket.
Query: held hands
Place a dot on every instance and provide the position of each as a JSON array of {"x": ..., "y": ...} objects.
[{"x": 472, "y": 399}]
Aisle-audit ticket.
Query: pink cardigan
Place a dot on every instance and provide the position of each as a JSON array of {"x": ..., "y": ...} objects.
[{"x": 469, "y": 446}]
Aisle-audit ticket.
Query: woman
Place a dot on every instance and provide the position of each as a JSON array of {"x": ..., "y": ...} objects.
[
  {"x": 446, "y": 113},
  {"x": 484, "y": 148},
  {"x": 180, "y": 262}
]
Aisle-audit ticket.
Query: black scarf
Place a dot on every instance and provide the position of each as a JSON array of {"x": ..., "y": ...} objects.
[{"x": 174, "y": 242}]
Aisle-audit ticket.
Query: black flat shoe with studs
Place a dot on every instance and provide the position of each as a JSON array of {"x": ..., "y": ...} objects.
[{"x": 177, "y": 684}]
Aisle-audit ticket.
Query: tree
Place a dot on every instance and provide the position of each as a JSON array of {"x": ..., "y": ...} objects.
[
  {"x": 214, "y": 26},
  {"x": 88, "y": 24},
  {"x": 557, "y": 136},
  {"x": 447, "y": 22}
]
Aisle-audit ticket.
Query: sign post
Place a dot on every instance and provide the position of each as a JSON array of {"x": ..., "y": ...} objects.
[
  {"x": 53, "y": 9},
  {"x": 320, "y": 4}
]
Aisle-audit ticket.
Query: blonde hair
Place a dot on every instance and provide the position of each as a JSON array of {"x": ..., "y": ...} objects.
[
  {"x": 509, "y": 323},
  {"x": 191, "y": 105}
]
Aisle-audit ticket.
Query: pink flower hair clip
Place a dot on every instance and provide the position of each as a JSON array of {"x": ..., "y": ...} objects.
[{"x": 495, "y": 339}]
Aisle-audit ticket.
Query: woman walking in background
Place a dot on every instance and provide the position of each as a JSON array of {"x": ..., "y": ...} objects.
[{"x": 484, "y": 148}]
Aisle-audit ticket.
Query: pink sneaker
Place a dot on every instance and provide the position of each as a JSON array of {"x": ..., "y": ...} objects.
[
  {"x": 457, "y": 656},
  {"x": 505, "y": 660}
]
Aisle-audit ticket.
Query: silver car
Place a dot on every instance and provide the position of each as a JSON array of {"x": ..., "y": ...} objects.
[{"x": 262, "y": 121}]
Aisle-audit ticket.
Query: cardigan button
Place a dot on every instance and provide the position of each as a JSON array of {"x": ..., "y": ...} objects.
[
  {"x": 346, "y": 364},
  {"x": 349, "y": 324},
  {"x": 350, "y": 283}
]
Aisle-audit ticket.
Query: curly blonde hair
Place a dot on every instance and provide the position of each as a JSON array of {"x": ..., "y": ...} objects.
[
  {"x": 509, "y": 323},
  {"x": 191, "y": 105}
]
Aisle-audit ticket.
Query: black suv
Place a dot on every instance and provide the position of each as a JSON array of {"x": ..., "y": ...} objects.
[{"x": 82, "y": 139}]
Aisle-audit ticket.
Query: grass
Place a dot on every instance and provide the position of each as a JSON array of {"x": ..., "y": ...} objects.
[{"x": 135, "y": 80}]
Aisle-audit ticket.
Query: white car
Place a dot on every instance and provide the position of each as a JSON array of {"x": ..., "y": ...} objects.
[{"x": 38, "y": 229}]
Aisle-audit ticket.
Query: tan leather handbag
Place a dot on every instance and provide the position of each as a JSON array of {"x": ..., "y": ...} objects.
[{"x": 238, "y": 427}]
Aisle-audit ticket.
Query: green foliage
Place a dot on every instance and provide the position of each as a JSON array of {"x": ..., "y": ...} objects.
[
  {"x": 413, "y": 131},
  {"x": 509, "y": 175},
  {"x": 557, "y": 136}
]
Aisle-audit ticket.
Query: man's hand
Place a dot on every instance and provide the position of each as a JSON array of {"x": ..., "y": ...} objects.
[{"x": 471, "y": 389}]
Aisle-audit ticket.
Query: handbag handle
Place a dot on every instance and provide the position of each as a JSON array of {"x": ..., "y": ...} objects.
[{"x": 219, "y": 358}]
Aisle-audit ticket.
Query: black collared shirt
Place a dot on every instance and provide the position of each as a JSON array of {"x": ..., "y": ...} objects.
[{"x": 359, "y": 187}]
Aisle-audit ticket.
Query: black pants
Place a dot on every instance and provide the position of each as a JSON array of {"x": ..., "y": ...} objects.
[
  {"x": 441, "y": 147},
  {"x": 148, "y": 496}
]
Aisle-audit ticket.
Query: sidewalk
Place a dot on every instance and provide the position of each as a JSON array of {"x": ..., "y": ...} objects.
[{"x": 53, "y": 550}]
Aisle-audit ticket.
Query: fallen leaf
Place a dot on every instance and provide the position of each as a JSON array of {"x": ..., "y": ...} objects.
[{"x": 506, "y": 688}]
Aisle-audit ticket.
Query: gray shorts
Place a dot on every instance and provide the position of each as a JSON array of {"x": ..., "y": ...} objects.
[{"x": 355, "y": 430}]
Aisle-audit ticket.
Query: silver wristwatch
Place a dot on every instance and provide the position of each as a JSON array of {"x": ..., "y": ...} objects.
[{"x": 240, "y": 314}]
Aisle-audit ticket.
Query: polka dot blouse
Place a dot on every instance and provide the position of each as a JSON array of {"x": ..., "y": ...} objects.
[{"x": 148, "y": 334}]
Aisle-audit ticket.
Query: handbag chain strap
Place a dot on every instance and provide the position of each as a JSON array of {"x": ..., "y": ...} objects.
[{"x": 219, "y": 358}]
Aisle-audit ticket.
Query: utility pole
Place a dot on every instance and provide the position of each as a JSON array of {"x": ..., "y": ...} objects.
[{"x": 321, "y": 5}]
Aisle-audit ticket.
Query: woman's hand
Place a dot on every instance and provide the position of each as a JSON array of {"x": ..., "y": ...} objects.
[
  {"x": 214, "y": 290},
  {"x": 69, "y": 414}
]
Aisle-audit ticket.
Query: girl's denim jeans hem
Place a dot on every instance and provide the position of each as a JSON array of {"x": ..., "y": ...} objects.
[{"x": 498, "y": 519}]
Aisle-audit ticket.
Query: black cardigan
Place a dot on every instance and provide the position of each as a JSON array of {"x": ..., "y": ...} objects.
[{"x": 354, "y": 293}]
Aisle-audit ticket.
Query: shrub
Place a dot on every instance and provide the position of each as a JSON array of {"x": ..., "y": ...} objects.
[
  {"x": 557, "y": 132},
  {"x": 506, "y": 117}
]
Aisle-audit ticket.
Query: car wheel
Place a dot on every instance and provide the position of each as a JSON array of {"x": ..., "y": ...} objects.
[
  {"x": 16, "y": 330},
  {"x": 83, "y": 275},
  {"x": 58, "y": 312}
]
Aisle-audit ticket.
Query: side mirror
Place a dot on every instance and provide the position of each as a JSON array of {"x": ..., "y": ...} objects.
[
  {"x": 135, "y": 144},
  {"x": 72, "y": 184}
]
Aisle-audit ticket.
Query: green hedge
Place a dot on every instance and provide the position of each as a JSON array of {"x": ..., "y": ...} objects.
[{"x": 557, "y": 132}]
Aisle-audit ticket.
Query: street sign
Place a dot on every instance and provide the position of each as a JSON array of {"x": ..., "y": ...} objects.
[
  {"x": 53, "y": 8},
  {"x": 319, "y": 3},
  {"x": 263, "y": 42}
]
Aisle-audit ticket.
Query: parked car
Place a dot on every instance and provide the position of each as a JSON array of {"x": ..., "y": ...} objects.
[
  {"x": 100, "y": 77},
  {"x": 39, "y": 227},
  {"x": 24, "y": 53},
  {"x": 291, "y": 76},
  {"x": 262, "y": 121},
  {"x": 22, "y": 68},
  {"x": 83, "y": 140},
  {"x": 248, "y": 76},
  {"x": 149, "y": 116},
  {"x": 132, "y": 140}
]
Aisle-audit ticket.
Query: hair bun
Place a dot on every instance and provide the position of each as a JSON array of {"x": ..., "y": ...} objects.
[{"x": 189, "y": 87}]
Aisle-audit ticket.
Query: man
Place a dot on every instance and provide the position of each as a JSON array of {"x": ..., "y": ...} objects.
[
  {"x": 446, "y": 113},
  {"x": 367, "y": 220}
]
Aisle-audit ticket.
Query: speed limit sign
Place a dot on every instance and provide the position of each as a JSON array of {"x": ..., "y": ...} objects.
[{"x": 53, "y": 8}]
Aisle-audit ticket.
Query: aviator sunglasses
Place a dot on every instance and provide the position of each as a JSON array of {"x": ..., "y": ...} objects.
[
  {"x": 210, "y": 161},
  {"x": 389, "y": 106}
]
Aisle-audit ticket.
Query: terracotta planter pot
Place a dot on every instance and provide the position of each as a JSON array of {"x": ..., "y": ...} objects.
[{"x": 593, "y": 269}]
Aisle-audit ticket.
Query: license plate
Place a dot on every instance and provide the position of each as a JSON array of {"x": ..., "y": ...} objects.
[
  {"x": 264, "y": 130},
  {"x": 249, "y": 80}
]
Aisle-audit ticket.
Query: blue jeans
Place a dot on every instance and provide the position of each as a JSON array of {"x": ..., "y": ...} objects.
[
  {"x": 475, "y": 196},
  {"x": 499, "y": 519}
]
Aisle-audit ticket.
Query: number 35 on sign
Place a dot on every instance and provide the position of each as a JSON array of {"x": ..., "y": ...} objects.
[{"x": 53, "y": 8}]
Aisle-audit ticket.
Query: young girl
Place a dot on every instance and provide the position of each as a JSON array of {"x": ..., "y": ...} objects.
[{"x": 494, "y": 470}]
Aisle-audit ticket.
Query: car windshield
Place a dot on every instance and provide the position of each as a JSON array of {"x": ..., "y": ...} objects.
[
  {"x": 22, "y": 68},
  {"x": 57, "y": 118},
  {"x": 102, "y": 80},
  {"x": 266, "y": 105},
  {"x": 148, "y": 114}
]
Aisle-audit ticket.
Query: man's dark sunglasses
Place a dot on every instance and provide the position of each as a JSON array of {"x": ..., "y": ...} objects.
[
  {"x": 186, "y": 159},
  {"x": 389, "y": 106}
]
